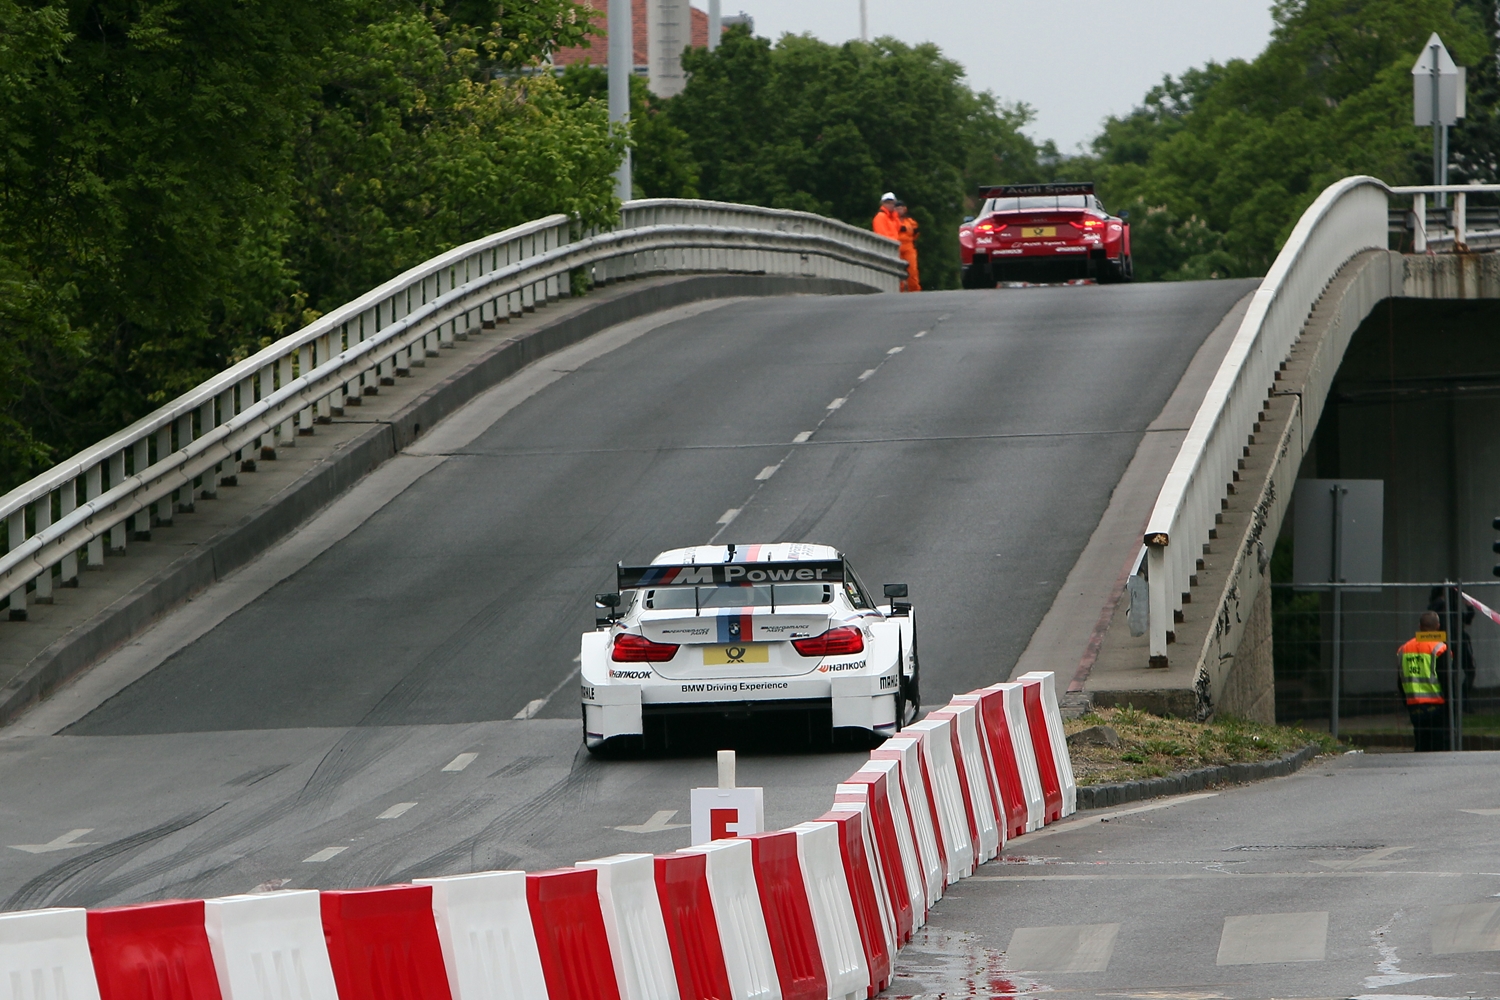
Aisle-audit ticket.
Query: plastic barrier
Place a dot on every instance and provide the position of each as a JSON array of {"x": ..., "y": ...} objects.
[
  {"x": 154, "y": 950},
  {"x": 46, "y": 954},
  {"x": 839, "y": 942},
  {"x": 484, "y": 928},
  {"x": 1020, "y": 743},
  {"x": 742, "y": 925},
  {"x": 269, "y": 945},
  {"x": 1057, "y": 738},
  {"x": 907, "y": 752},
  {"x": 1041, "y": 745},
  {"x": 952, "y": 815},
  {"x": 570, "y": 935},
  {"x": 906, "y": 841},
  {"x": 853, "y": 798},
  {"x": 864, "y": 895},
  {"x": 632, "y": 920},
  {"x": 975, "y": 776},
  {"x": 687, "y": 911},
  {"x": 1005, "y": 773},
  {"x": 877, "y": 797},
  {"x": 383, "y": 942},
  {"x": 789, "y": 919}
]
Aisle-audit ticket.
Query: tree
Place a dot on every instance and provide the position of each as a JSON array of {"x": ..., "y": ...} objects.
[
  {"x": 1217, "y": 166},
  {"x": 821, "y": 128}
]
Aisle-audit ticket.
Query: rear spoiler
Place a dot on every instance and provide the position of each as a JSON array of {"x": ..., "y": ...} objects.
[
  {"x": 1036, "y": 190},
  {"x": 729, "y": 574}
]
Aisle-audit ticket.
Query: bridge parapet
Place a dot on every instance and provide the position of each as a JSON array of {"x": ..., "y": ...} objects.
[
  {"x": 1347, "y": 218},
  {"x": 194, "y": 444}
]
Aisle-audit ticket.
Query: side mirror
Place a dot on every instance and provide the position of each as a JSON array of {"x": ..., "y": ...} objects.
[
  {"x": 968, "y": 218},
  {"x": 1125, "y": 214},
  {"x": 895, "y": 590},
  {"x": 606, "y": 600}
]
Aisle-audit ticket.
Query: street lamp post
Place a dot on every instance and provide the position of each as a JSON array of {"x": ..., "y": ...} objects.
[{"x": 621, "y": 66}]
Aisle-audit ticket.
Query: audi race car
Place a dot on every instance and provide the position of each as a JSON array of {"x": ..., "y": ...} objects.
[
  {"x": 1043, "y": 232},
  {"x": 731, "y": 632}
]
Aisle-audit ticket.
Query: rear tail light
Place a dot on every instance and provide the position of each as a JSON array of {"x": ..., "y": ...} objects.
[
  {"x": 835, "y": 642},
  {"x": 632, "y": 648},
  {"x": 989, "y": 226},
  {"x": 1087, "y": 224}
]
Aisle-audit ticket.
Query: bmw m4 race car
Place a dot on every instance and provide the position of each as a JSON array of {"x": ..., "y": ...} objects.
[
  {"x": 758, "y": 632},
  {"x": 1043, "y": 232}
]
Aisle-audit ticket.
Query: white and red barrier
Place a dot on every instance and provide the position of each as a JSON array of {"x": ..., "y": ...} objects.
[
  {"x": 633, "y": 924},
  {"x": 484, "y": 928},
  {"x": 951, "y": 814},
  {"x": 906, "y": 842},
  {"x": 871, "y": 786},
  {"x": 1046, "y": 686},
  {"x": 844, "y": 967},
  {"x": 730, "y": 873},
  {"x": 47, "y": 952},
  {"x": 974, "y": 776},
  {"x": 1014, "y": 701},
  {"x": 816, "y": 912},
  {"x": 906, "y": 751}
]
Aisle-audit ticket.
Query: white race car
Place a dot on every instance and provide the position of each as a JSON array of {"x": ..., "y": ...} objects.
[{"x": 731, "y": 631}]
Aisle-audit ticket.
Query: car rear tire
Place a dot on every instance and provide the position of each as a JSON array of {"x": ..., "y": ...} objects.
[{"x": 979, "y": 274}]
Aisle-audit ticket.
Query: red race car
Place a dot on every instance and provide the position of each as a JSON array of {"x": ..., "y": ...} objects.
[{"x": 1043, "y": 232}]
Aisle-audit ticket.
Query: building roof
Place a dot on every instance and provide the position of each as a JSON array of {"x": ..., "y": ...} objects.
[{"x": 597, "y": 52}]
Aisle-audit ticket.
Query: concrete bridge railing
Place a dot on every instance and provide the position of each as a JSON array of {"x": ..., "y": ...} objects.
[
  {"x": 188, "y": 447},
  {"x": 1349, "y": 217}
]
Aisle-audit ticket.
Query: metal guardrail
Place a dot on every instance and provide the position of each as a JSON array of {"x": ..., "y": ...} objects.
[
  {"x": 86, "y": 505},
  {"x": 1444, "y": 225},
  {"x": 1347, "y": 218}
]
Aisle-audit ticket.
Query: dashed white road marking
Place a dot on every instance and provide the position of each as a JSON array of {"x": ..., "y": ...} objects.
[
  {"x": 838, "y": 402},
  {"x": 1482, "y": 812},
  {"x": 767, "y": 472},
  {"x": 60, "y": 843},
  {"x": 866, "y": 374},
  {"x": 659, "y": 821},
  {"x": 801, "y": 437},
  {"x": 324, "y": 855},
  {"x": 532, "y": 707},
  {"x": 1079, "y": 948},
  {"x": 1273, "y": 938},
  {"x": 460, "y": 762},
  {"x": 919, "y": 333},
  {"x": 896, "y": 350},
  {"x": 396, "y": 811},
  {"x": 729, "y": 515}
]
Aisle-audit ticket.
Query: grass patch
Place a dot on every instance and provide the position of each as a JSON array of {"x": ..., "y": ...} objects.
[{"x": 1152, "y": 746}]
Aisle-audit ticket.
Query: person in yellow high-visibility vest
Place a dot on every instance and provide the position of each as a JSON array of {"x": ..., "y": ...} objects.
[{"x": 1422, "y": 684}]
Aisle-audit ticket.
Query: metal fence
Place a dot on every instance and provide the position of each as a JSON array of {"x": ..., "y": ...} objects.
[
  {"x": 1337, "y": 661},
  {"x": 88, "y": 505}
]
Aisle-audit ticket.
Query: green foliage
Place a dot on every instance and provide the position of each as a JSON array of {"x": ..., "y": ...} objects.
[
  {"x": 1217, "y": 165},
  {"x": 183, "y": 180},
  {"x": 821, "y": 128}
]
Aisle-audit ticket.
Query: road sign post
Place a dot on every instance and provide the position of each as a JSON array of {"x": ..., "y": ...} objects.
[
  {"x": 1339, "y": 530},
  {"x": 726, "y": 811},
  {"x": 1438, "y": 86}
]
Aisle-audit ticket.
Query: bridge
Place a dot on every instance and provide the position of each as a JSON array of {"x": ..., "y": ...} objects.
[{"x": 327, "y": 604}]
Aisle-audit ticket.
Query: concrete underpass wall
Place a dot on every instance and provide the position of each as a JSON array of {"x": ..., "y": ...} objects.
[{"x": 1416, "y": 404}]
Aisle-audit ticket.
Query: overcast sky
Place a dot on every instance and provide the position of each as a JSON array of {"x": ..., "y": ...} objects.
[{"x": 1074, "y": 61}]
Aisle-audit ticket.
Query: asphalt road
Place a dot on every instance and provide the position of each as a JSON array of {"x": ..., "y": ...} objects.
[
  {"x": 355, "y": 722},
  {"x": 1360, "y": 876},
  {"x": 971, "y": 464}
]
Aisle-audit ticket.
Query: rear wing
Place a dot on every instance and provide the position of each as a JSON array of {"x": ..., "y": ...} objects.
[
  {"x": 1036, "y": 190},
  {"x": 729, "y": 574}
]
